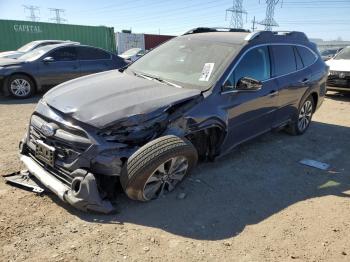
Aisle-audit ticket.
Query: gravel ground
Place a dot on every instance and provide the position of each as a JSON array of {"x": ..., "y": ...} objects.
[{"x": 255, "y": 204}]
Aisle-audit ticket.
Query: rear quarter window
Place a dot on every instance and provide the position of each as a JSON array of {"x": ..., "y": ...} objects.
[{"x": 306, "y": 55}]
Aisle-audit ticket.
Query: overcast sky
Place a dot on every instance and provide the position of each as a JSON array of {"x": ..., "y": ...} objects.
[{"x": 319, "y": 19}]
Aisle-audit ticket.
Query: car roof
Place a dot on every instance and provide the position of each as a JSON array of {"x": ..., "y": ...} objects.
[
  {"x": 72, "y": 44},
  {"x": 241, "y": 37},
  {"x": 222, "y": 37}
]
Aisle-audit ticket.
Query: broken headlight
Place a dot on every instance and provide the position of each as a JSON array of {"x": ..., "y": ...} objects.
[{"x": 135, "y": 133}]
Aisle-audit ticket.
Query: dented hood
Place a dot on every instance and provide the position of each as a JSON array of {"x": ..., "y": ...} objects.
[{"x": 103, "y": 98}]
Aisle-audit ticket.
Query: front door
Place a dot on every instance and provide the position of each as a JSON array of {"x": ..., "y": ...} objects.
[
  {"x": 63, "y": 66},
  {"x": 250, "y": 113}
]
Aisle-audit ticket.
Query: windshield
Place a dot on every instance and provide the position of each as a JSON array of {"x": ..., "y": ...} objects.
[
  {"x": 131, "y": 52},
  {"x": 343, "y": 54},
  {"x": 27, "y": 47},
  {"x": 190, "y": 63},
  {"x": 35, "y": 54}
]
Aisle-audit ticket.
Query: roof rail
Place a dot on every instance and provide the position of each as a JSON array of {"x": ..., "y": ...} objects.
[
  {"x": 269, "y": 34},
  {"x": 214, "y": 29}
]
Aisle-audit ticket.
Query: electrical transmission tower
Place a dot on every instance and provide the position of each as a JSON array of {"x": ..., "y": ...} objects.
[
  {"x": 269, "y": 21},
  {"x": 58, "y": 15},
  {"x": 236, "y": 14},
  {"x": 32, "y": 9}
]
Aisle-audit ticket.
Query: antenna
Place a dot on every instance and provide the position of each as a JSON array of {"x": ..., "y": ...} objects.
[
  {"x": 236, "y": 14},
  {"x": 58, "y": 17},
  {"x": 269, "y": 21},
  {"x": 32, "y": 9}
]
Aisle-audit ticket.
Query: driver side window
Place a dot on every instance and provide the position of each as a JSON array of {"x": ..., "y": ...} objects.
[{"x": 254, "y": 64}]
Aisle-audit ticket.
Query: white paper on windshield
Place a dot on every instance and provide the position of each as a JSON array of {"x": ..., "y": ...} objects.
[{"x": 206, "y": 71}]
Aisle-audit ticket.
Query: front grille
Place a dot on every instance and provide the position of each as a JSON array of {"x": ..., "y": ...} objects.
[
  {"x": 69, "y": 145},
  {"x": 339, "y": 79}
]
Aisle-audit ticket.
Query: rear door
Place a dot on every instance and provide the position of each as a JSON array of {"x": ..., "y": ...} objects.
[
  {"x": 63, "y": 67},
  {"x": 250, "y": 113},
  {"x": 292, "y": 79},
  {"x": 93, "y": 60}
]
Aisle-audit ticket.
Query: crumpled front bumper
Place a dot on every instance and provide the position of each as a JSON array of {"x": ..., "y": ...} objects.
[{"x": 83, "y": 193}]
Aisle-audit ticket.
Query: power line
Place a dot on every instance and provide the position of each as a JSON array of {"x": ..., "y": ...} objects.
[
  {"x": 58, "y": 15},
  {"x": 32, "y": 9},
  {"x": 236, "y": 14},
  {"x": 253, "y": 25},
  {"x": 269, "y": 21}
]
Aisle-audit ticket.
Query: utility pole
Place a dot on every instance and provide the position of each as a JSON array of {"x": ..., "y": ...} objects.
[
  {"x": 32, "y": 9},
  {"x": 237, "y": 12},
  {"x": 269, "y": 21},
  {"x": 58, "y": 15},
  {"x": 253, "y": 26}
]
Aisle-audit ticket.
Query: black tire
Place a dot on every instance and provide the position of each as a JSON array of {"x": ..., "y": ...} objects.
[
  {"x": 27, "y": 83},
  {"x": 294, "y": 128},
  {"x": 144, "y": 163}
]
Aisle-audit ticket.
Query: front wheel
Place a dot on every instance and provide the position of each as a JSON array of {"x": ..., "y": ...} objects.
[
  {"x": 20, "y": 86},
  {"x": 302, "y": 120},
  {"x": 157, "y": 167}
]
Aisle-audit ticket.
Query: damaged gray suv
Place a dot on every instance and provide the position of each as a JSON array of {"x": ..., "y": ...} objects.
[{"x": 145, "y": 126}]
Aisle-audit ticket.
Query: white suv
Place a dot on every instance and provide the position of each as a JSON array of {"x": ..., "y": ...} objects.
[{"x": 339, "y": 74}]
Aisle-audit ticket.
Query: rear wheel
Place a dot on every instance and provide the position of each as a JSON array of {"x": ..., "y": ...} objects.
[
  {"x": 302, "y": 120},
  {"x": 158, "y": 167},
  {"x": 20, "y": 86}
]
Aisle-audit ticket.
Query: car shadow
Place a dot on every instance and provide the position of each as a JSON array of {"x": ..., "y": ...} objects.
[
  {"x": 257, "y": 180},
  {"x": 339, "y": 96},
  {"x": 8, "y": 100}
]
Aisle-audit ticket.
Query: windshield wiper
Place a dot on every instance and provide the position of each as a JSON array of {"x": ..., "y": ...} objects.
[{"x": 150, "y": 77}]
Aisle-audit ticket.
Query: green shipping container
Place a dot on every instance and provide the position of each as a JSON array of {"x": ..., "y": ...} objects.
[{"x": 14, "y": 34}]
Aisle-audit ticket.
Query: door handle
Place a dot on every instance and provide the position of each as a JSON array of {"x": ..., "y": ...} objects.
[
  {"x": 304, "y": 81},
  {"x": 273, "y": 93}
]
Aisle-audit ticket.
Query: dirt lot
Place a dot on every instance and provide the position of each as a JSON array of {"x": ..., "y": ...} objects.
[{"x": 256, "y": 204}]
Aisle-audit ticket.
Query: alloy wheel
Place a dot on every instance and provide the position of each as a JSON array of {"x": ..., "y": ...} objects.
[
  {"x": 165, "y": 177},
  {"x": 20, "y": 87},
  {"x": 305, "y": 115}
]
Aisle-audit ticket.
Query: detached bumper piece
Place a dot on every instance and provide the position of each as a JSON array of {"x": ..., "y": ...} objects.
[
  {"x": 24, "y": 179},
  {"x": 83, "y": 193}
]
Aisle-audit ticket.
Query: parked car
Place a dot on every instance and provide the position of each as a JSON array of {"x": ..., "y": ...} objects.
[
  {"x": 132, "y": 54},
  {"x": 31, "y": 46},
  {"x": 51, "y": 65},
  {"x": 339, "y": 74},
  {"x": 195, "y": 97},
  {"x": 329, "y": 53}
]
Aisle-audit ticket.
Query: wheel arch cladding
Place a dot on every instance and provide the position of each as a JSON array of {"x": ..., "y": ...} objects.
[
  {"x": 315, "y": 99},
  {"x": 207, "y": 141}
]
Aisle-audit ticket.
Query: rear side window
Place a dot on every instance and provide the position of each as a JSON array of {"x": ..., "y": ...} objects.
[
  {"x": 284, "y": 59},
  {"x": 64, "y": 54},
  {"x": 255, "y": 64},
  {"x": 89, "y": 53},
  {"x": 307, "y": 56}
]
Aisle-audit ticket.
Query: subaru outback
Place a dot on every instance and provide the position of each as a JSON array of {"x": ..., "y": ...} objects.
[{"x": 146, "y": 125}]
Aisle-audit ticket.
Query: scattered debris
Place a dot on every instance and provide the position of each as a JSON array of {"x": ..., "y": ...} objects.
[
  {"x": 146, "y": 249},
  {"x": 315, "y": 164},
  {"x": 181, "y": 195},
  {"x": 227, "y": 243},
  {"x": 24, "y": 179},
  {"x": 344, "y": 253}
]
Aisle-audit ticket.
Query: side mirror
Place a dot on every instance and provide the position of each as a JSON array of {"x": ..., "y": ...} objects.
[
  {"x": 48, "y": 59},
  {"x": 248, "y": 84}
]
